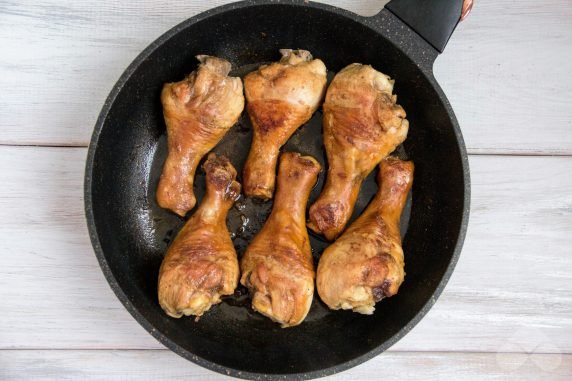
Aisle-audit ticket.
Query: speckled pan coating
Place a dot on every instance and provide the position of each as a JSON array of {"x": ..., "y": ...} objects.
[{"x": 130, "y": 233}]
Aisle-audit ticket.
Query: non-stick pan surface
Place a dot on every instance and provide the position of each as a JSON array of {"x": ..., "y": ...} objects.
[{"x": 130, "y": 233}]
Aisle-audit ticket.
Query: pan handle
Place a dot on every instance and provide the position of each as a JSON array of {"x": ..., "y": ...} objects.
[{"x": 434, "y": 20}]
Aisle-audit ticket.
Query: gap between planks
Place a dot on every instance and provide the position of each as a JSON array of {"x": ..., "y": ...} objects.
[
  {"x": 390, "y": 351},
  {"x": 163, "y": 365},
  {"x": 470, "y": 152}
]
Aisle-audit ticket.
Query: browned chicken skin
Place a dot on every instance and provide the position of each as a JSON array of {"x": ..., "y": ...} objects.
[
  {"x": 362, "y": 125},
  {"x": 281, "y": 97},
  {"x": 198, "y": 112},
  {"x": 277, "y": 266},
  {"x": 201, "y": 263},
  {"x": 366, "y": 263}
]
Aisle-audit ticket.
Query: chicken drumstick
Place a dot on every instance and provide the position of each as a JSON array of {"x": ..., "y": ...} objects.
[
  {"x": 280, "y": 98},
  {"x": 366, "y": 263},
  {"x": 198, "y": 112},
  {"x": 201, "y": 263},
  {"x": 362, "y": 125},
  {"x": 277, "y": 266}
]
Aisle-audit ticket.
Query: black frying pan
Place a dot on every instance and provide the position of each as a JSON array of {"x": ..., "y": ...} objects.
[{"x": 130, "y": 233}]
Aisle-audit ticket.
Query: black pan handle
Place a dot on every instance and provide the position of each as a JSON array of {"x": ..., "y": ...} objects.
[{"x": 434, "y": 20}]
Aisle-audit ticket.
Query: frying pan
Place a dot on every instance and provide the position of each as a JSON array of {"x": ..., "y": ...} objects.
[{"x": 130, "y": 233}]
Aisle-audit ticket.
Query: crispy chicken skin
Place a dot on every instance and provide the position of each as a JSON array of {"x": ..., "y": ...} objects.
[
  {"x": 198, "y": 112},
  {"x": 362, "y": 125},
  {"x": 366, "y": 263},
  {"x": 280, "y": 98},
  {"x": 201, "y": 263},
  {"x": 277, "y": 266}
]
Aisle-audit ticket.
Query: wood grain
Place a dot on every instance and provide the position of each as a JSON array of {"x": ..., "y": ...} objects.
[
  {"x": 163, "y": 365},
  {"x": 506, "y": 69},
  {"x": 510, "y": 291},
  {"x": 506, "y": 73},
  {"x": 62, "y": 57},
  {"x": 507, "y": 311}
]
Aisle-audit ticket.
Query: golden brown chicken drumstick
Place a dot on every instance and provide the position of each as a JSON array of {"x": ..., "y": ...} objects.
[
  {"x": 366, "y": 263},
  {"x": 280, "y": 98},
  {"x": 198, "y": 112},
  {"x": 362, "y": 125},
  {"x": 277, "y": 266},
  {"x": 201, "y": 263}
]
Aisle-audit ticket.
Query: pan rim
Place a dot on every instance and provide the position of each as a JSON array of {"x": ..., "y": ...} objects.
[{"x": 124, "y": 298}]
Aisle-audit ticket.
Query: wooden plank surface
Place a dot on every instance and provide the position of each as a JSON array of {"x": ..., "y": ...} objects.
[
  {"x": 510, "y": 291},
  {"x": 506, "y": 69},
  {"x": 506, "y": 73},
  {"x": 507, "y": 311},
  {"x": 163, "y": 365}
]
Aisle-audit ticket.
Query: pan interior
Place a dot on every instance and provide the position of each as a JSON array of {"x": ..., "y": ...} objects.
[{"x": 134, "y": 232}]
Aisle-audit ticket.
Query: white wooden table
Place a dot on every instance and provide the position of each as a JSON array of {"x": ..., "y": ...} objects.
[{"x": 507, "y": 311}]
